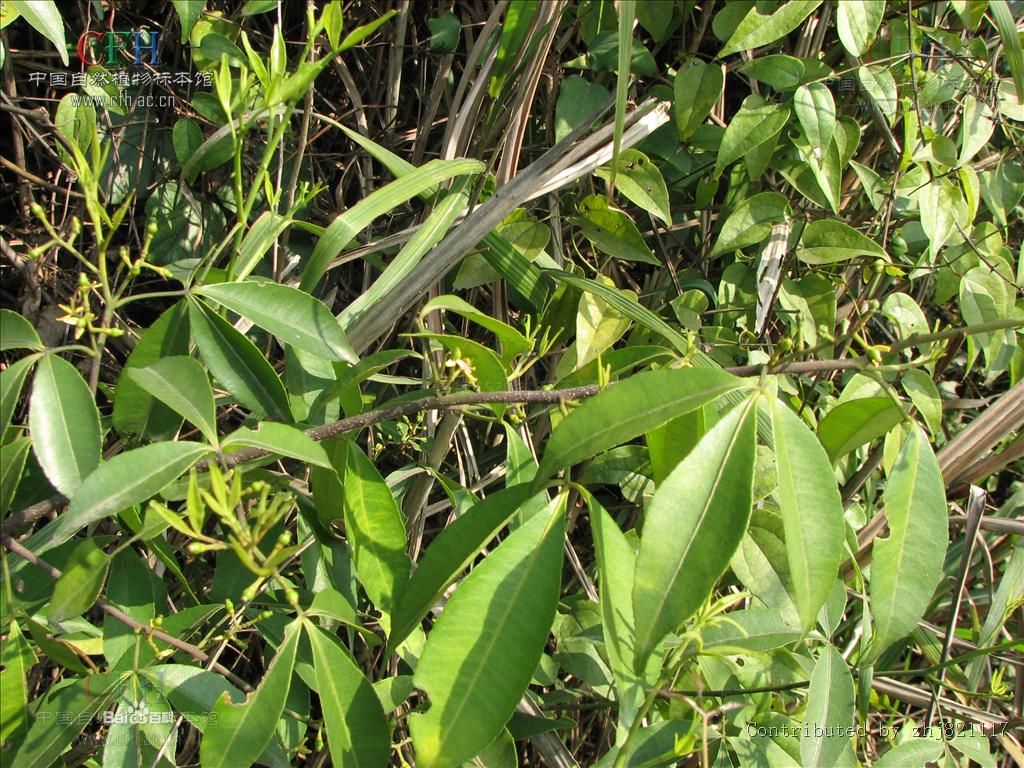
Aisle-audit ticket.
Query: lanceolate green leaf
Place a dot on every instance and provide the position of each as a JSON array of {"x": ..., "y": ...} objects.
[
  {"x": 238, "y": 733},
  {"x": 376, "y": 533},
  {"x": 128, "y": 478},
  {"x": 281, "y": 439},
  {"x": 350, "y": 223},
  {"x": 13, "y": 456},
  {"x": 12, "y": 380},
  {"x": 16, "y": 659},
  {"x": 182, "y": 384},
  {"x": 288, "y": 313},
  {"x": 906, "y": 566},
  {"x": 17, "y": 333},
  {"x": 829, "y": 713},
  {"x": 692, "y": 527},
  {"x": 236, "y": 363},
  {"x": 640, "y": 403},
  {"x": 480, "y": 655},
  {"x": 65, "y": 424},
  {"x": 357, "y": 731},
  {"x": 616, "y": 568},
  {"x": 450, "y": 554},
  {"x": 136, "y": 412},
  {"x": 60, "y": 718},
  {"x": 757, "y": 29},
  {"x": 45, "y": 18},
  {"x": 80, "y": 583},
  {"x": 812, "y": 512},
  {"x": 852, "y": 424}
]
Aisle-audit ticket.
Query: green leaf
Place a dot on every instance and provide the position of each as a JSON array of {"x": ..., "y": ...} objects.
[
  {"x": 12, "y": 463},
  {"x": 755, "y": 123},
  {"x": 757, "y": 29},
  {"x": 781, "y": 72},
  {"x": 61, "y": 717},
  {"x": 829, "y": 712},
  {"x": 16, "y": 660},
  {"x": 65, "y": 424},
  {"x": 357, "y": 731},
  {"x": 598, "y": 327},
  {"x": 80, "y": 583},
  {"x": 12, "y": 381},
  {"x": 911, "y": 754},
  {"x": 281, "y": 439},
  {"x": 45, "y": 18},
  {"x": 691, "y": 528},
  {"x": 857, "y": 23},
  {"x": 17, "y": 333},
  {"x": 450, "y": 554},
  {"x": 611, "y": 231},
  {"x": 812, "y": 512},
  {"x": 640, "y": 403},
  {"x": 237, "y": 734},
  {"x": 826, "y": 241},
  {"x": 482, "y": 652},
  {"x": 375, "y": 530},
  {"x": 750, "y": 222},
  {"x": 578, "y": 100},
  {"x": 985, "y": 296},
  {"x": 925, "y": 396},
  {"x": 238, "y": 365},
  {"x": 942, "y": 209},
  {"x": 748, "y": 630},
  {"x": 851, "y": 424},
  {"x": 697, "y": 88},
  {"x": 181, "y": 383},
  {"x": 880, "y": 86},
  {"x": 616, "y": 569},
  {"x": 126, "y": 479},
  {"x": 357, "y": 35},
  {"x": 288, "y": 313},
  {"x": 640, "y": 181},
  {"x": 816, "y": 111},
  {"x": 907, "y": 565},
  {"x": 136, "y": 412},
  {"x": 188, "y": 12},
  {"x": 350, "y": 223}
]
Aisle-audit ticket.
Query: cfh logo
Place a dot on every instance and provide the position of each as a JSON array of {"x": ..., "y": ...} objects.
[{"x": 105, "y": 47}]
